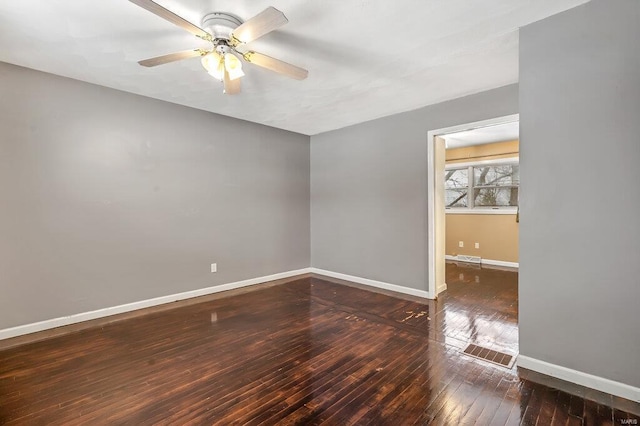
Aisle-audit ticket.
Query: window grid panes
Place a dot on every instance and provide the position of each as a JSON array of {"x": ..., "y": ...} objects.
[
  {"x": 456, "y": 183},
  {"x": 490, "y": 186}
]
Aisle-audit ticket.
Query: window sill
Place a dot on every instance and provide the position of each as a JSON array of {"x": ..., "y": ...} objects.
[{"x": 504, "y": 210}]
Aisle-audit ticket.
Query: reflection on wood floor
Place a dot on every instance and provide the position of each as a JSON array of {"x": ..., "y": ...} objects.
[
  {"x": 307, "y": 352},
  {"x": 479, "y": 306}
]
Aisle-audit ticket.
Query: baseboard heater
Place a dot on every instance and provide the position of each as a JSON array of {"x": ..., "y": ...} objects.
[{"x": 469, "y": 259}]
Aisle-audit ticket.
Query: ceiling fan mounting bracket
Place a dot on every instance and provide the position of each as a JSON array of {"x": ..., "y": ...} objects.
[{"x": 220, "y": 25}]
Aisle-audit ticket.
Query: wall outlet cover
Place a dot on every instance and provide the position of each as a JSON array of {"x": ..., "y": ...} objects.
[{"x": 214, "y": 267}]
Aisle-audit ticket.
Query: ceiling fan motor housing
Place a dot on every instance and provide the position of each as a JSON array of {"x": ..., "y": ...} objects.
[{"x": 220, "y": 24}]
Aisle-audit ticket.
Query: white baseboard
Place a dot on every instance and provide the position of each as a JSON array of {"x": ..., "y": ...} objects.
[
  {"x": 500, "y": 263},
  {"x": 128, "y": 307},
  {"x": 373, "y": 283},
  {"x": 442, "y": 288},
  {"x": 588, "y": 380},
  {"x": 490, "y": 262}
]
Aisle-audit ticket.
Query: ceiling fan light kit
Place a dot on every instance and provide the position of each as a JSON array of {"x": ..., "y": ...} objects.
[
  {"x": 226, "y": 33},
  {"x": 218, "y": 61}
]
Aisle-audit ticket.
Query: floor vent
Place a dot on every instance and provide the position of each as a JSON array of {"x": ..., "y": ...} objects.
[
  {"x": 487, "y": 354},
  {"x": 470, "y": 259}
]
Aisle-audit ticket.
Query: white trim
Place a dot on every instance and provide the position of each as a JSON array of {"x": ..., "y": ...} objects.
[
  {"x": 431, "y": 175},
  {"x": 372, "y": 283},
  {"x": 501, "y": 263},
  {"x": 488, "y": 262},
  {"x": 585, "y": 379},
  {"x": 20, "y": 330},
  {"x": 441, "y": 288},
  {"x": 497, "y": 161},
  {"x": 479, "y": 210}
]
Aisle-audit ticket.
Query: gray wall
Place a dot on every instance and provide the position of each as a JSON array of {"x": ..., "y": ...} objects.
[
  {"x": 369, "y": 189},
  {"x": 109, "y": 198},
  {"x": 580, "y": 155}
]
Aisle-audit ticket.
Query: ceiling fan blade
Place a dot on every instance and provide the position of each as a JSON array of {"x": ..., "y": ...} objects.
[
  {"x": 231, "y": 87},
  {"x": 261, "y": 24},
  {"x": 276, "y": 65},
  {"x": 171, "y": 57},
  {"x": 168, "y": 15}
]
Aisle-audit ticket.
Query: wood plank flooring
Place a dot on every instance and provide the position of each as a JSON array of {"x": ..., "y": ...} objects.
[{"x": 307, "y": 352}]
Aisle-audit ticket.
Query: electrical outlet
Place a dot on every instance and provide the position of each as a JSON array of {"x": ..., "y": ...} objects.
[
  {"x": 477, "y": 245},
  {"x": 214, "y": 267},
  {"x": 460, "y": 243}
]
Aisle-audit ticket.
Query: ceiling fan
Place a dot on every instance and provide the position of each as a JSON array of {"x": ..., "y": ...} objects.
[{"x": 226, "y": 33}]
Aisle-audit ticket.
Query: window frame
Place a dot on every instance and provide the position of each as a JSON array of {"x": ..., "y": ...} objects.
[{"x": 470, "y": 208}]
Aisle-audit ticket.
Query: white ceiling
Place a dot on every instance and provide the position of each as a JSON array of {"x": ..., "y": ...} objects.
[
  {"x": 366, "y": 58},
  {"x": 483, "y": 135}
]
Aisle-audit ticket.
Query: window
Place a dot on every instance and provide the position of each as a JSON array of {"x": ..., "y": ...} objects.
[
  {"x": 456, "y": 183},
  {"x": 494, "y": 186}
]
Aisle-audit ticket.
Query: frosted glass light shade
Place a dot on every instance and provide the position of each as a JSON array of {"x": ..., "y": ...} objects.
[
  {"x": 213, "y": 63},
  {"x": 233, "y": 66}
]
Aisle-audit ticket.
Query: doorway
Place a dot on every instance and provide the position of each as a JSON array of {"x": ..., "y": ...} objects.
[
  {"x": 437, "y": 196},
  {"x": 473, "y": 235}
]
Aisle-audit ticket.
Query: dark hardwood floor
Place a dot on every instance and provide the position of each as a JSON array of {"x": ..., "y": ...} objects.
[{"x": 306, "y": 352}]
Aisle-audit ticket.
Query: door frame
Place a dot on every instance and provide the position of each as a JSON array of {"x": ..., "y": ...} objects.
[{"x": 432, "y": 226}]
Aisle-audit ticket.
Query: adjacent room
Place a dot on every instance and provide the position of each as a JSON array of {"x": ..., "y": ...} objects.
[
  {"x": 481, "y": 197},
  {"x": 219, "y": 211},
  {"x": 482, "y": 180}
]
